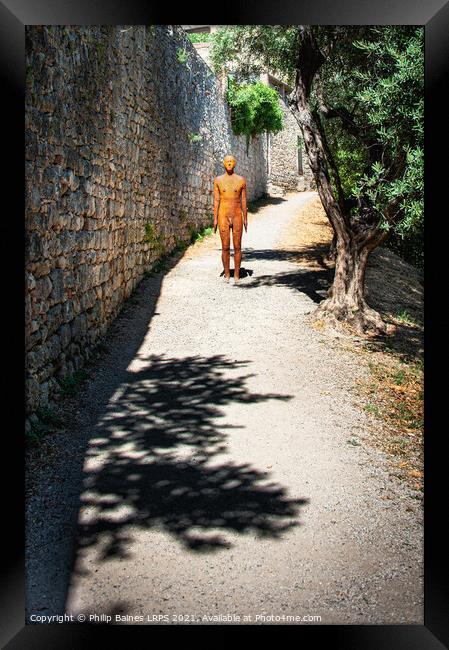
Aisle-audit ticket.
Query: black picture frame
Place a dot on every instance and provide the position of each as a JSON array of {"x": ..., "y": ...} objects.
[{"x": 434, "y": 16}]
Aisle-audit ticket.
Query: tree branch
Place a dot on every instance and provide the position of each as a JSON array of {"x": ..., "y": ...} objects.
[
  {"x": 335, "y": 34},
  {"x": 310, "y": 58},
  {"x": 331, "y": 163},
  {"x": 374, "y": 148},
  {"x": 337, "y": 111}
]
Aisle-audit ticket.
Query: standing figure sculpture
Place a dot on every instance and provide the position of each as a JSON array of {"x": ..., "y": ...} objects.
[{"x": 230, "y": 213}]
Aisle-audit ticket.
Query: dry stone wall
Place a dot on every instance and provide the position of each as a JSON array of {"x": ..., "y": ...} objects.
[
  {"x": 126, "y": 128},
  {"x": 284, "y": 172}
]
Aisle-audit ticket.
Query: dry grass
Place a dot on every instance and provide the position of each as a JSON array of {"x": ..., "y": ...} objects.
[
  {"x": 311, "y": 234},
  {"x": 393, "y": 390},
  {"x": 393, "y": 393}
]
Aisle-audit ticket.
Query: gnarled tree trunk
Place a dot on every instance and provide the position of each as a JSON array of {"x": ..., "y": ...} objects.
[
  {"x": 353, "y": 244},
  {"x": 346, "y": 299},
  {"x": 332, "y": 252}
]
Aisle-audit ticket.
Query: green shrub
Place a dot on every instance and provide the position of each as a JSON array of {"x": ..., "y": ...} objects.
[
  {"x": 44, "y": 422},
  {"x": 195, "y": 137},
  {"x": 156, "y": 241},
  {"x": 68, "y": 385},
  {"x": 254, "y": 109}
]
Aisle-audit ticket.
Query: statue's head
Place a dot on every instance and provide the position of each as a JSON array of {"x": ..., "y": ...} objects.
[{"x": 229, "y": 163}]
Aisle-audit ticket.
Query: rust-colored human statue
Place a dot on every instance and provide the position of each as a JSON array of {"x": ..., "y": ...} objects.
[{"x": 230, "y": 213}]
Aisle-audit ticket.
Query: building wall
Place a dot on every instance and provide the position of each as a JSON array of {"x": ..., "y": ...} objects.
[
  {"x": 284, "y": 171},
  {"x": 115, "y": 176},
  {"x": 283, "y": 175}
]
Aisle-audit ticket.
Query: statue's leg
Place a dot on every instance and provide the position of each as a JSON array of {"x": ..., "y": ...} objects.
[
  {"x": 237, "y": 243},
  {"x": 225, "y": 248}
]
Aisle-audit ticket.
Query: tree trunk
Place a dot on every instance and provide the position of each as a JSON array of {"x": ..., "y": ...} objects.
[
  {"x": 332, "y": 252},
  {"x": 346, "y": 297}
]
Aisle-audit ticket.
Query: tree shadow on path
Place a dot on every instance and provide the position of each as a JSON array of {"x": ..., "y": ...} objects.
[
  {"x": 314, "y": 282},
  {"x": 149, "y": 462},
  {"x": 143, "y": 449},
  {"x": 392, "y": 286},
  {"x": 266, "y": 200}
]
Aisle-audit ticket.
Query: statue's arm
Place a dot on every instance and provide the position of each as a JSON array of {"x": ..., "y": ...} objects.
[
  {"x": 216, "y": 203},
  {"x": 244, "y": 205}
]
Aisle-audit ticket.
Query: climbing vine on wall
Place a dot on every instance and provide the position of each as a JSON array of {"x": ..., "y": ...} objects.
[{"x": 254, "y": 109}]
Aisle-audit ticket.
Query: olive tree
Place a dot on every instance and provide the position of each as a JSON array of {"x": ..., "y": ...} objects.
[{"x": 358, "y": 99}]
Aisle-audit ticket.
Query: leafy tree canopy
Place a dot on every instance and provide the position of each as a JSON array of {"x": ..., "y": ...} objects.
[{"x": 368, "y": 95}]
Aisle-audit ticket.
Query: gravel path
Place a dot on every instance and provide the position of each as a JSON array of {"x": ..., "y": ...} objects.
[{"x": 216, "y": 463}]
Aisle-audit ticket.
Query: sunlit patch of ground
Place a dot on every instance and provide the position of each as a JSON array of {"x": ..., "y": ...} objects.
[{"x": 393, "y": 390}]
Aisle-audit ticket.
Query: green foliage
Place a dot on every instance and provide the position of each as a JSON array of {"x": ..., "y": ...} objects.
[
  {"x": 202, "y": 37},
  {"x": 350, "y": 158},
  {"x": 396, "y": 391},
  {"x": 163, "y": 263},
  {"x": 377, "y": 75},
  {"x": 194, "y": 137},
  {"x": 254, "y": 109},
  {"x": 44, "y": 421},
  {"x": 159, "y": 265},
  {"x": 156, "y": 241},
  {"x": 373, "y": 409},
  {"x": 47, "y": 415},
  {"x": 34, "y": 434},
  {"x": 409, "y": 246},
  {"x": 380, "y": 79},
  {"x": 223, "y": 50},
  {"x": 405, "y": 317},
  {"x": 68, "y": 385},
  {"x": 199, "y": 235},
  {"x": 101, "y": 51},
  {"x": 391, "y": 93},
  {"x": 151, "y": 30},
  {"x": 248, "y": 50},
  {"x": 182, "y": 55},
  {"x": 205, "y": 233},
  {"x": 391, "y": 96}
]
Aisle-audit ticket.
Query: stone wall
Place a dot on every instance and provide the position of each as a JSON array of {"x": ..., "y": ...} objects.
[
  {"x": 124, "y": 136},
  {"x": 282, "y": 157},
  {"x": 284, "y": 174}
]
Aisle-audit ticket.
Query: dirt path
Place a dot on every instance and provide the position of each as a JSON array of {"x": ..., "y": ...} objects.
[{"x": 215, "y": 465}]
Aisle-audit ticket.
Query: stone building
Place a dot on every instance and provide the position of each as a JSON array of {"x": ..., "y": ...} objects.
[{"x": 287, "y": 164}]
